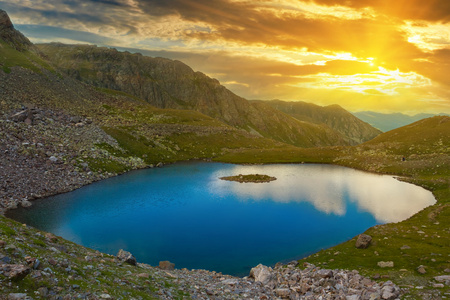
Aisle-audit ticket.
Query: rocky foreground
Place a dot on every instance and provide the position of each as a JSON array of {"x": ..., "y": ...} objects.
[{"x": 39, "y": 265}]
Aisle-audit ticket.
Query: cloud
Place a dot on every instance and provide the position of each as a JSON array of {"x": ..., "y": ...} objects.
[
  {"x": 432, "y": 10},
  {"x": 267, "y": 49},
  {"x": 43, "y": 32}
]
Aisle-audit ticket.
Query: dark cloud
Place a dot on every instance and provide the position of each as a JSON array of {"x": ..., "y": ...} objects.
[{"x": 430, "y": 10}]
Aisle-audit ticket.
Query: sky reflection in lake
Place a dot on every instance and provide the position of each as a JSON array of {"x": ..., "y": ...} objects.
[{"x": 387, "y": 199}]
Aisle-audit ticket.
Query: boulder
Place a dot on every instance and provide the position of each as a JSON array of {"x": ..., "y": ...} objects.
[
  {"x": 363, "y": 241},
  {"x": 166, "y": 265},
  {"x": 15, "y": 272},
  {"x": 263, "y": 274},
  {"x": 126, "y": 257},
  {"x": 443, "y": 278}
]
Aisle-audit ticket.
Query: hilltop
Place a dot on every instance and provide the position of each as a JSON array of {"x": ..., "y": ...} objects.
[{"x": 334, "y": 116}]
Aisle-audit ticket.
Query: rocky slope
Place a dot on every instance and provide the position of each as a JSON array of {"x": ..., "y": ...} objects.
[
  {"x": 39, "y": 265},
  {"x": 334, "y": 116},
  {"x": 171, "y": 84}
]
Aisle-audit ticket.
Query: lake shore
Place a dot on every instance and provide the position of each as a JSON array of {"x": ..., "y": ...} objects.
[{"x": 323, "y": 258}]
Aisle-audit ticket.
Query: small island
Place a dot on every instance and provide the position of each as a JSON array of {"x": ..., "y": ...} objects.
[{"x": 257, "y": 178}]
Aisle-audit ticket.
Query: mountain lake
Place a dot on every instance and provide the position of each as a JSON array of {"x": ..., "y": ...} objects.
[{"x": 185, "y": 214}]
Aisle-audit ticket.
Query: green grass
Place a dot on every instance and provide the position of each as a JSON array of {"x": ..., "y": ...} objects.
[{"x": 10, "y": 57}]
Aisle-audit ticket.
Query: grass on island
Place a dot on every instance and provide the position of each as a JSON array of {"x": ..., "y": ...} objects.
[{"x": 256, "y": 178}]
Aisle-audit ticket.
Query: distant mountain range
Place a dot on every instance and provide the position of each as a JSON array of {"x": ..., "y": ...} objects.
[{"x": 386, "y": 122}]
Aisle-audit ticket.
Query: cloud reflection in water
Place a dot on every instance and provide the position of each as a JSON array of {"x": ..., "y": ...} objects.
[{"x": 328, "y": 188}]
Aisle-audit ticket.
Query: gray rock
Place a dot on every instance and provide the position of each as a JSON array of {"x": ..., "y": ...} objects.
[
  {"x": 389, "y": 292},
  {"x": 443, "y": 278},
  {"x": 25, "y": 203},
  {"x": 19, "y": 296},
  {"x": 126, "y": 257},
  {"x": 263, "y": 274},
  {"x": 363, "y": 241},
  {"x": 385, "y": 264}
]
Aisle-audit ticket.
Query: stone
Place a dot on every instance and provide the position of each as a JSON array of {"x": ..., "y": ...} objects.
[
  {"x": 282, "y": 292},
  {"x": 105, "y": 296},
  {"x": 443, "y": 278},
  {"x": 405, "y": 247},
  {"x": 363, "y": 241},
  {"x": 389, "y": 292},
  {"x": 15, "y": 272},
  {"x": 43, "y": 291},
  {"x": 126, "y": 257},
  {"x": 263, "y": 274},
  {"x": 352, "y": 297},
  {"x": 19, "y": 296},
  {"x": 143, "y": 275},
  {"x": 385, "y": 264},
  {"x": 159, "y": 165},
  {"x": 53, "y": 159},
  {"x": 421, "y": 269},
  {"x": 25, "y": 203},
  {"x": 51, "y": 237},
  {"x": 325, "y": 273},
  {"x": 166, "y": 265}
]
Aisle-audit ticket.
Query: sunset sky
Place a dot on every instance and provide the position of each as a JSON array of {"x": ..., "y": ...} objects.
[{"x": 380, "y": 55}]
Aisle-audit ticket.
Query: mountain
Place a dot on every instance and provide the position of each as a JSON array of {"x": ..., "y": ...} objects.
[
  {"x": 166, "y": 83},
  {"x": 386, "y": 122},
  {"x": 58, "y": 133},
  {"x": 333, "y": 116},
  {"x": 426, "y": 136}
]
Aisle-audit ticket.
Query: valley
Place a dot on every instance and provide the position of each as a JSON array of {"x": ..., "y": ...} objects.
[{"x": 72, "y": 115}]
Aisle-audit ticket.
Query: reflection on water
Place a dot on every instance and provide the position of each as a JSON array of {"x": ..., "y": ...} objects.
[
  {"x": 387, "y": 199},
  {"x": 184, "y": 213}
]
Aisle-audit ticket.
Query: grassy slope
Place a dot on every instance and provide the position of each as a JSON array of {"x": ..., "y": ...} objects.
[{"x": 426, "y": 148}]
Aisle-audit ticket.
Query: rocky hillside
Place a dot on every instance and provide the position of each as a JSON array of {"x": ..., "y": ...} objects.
[
  {"x": 58, "y": 133},
  {"x": 333, "y": 116},
  {"x": 166, "y": 83}
]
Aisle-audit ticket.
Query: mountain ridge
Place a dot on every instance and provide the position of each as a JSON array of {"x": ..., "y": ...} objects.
[
  {"x": 334, "y": 116},
  {"x": 171, "y": 84}
]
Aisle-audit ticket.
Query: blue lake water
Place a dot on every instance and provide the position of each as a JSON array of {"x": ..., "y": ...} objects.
[{"x": 185, "y": 214}]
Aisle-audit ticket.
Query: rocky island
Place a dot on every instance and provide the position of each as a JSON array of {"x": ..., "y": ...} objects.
[{"x": 256, "y": 178}]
